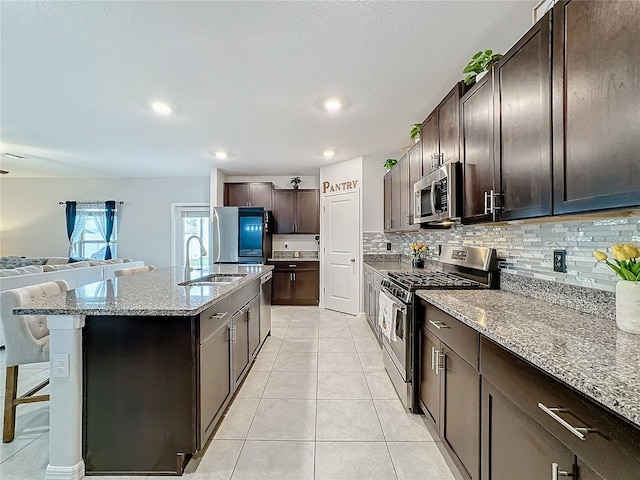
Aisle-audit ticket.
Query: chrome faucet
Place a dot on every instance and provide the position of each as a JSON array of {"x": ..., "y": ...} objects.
[{"x": 203, "y": 252}]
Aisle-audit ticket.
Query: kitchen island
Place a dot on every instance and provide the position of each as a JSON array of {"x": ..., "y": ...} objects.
[{"x": 149, "y": 363}]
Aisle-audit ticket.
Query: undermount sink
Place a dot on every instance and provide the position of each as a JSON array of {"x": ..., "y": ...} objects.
[{"x": 214, "y": 279}]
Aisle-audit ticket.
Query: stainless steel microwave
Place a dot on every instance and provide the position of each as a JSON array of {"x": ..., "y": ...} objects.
[{"x": 437, "y": 197}]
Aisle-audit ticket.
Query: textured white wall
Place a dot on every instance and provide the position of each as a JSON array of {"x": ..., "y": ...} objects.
[
  {"x": 33, "y": 224},
  {"x": 373, "y": 194}
]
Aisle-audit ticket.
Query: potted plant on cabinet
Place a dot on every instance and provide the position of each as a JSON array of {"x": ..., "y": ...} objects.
[
  {"x": 479, "y": 65},
  {"x": 389, "y": 163},
  {"x": 415, "y": 132},
  {"x": 295, "y": 181}
]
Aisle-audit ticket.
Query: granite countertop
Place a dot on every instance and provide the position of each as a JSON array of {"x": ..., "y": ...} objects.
[
  {"x": 293, "y": 259},
  {"x": 584, "y": 351},
  {"x": 146, "y": 294}
]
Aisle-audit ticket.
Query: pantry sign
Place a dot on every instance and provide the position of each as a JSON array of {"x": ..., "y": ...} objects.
[{"x": 339, "y": 187}]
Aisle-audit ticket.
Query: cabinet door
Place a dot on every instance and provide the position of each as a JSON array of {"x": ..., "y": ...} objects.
[
  {"x": 429, "y": 143},
  {"x": 216, "y": 384},
  {"x": 449, "y": 126},
  {"x": 514, "y": 445},
  {"x": 240, "y": 344},
  {"x": 236, "y": 194},
  {"x": 284, "y": 210},
  {"x": 366, "y": 292},
  {"x": 253, "y": 317},
  {"x": 415, "y": 174},
  {"x": 261, "y": 195},
  {"x": 307, "y": 211},
  {"x": 596, "y": 100},
  {"x": 523, "y": 125},
  {"x": 429, "y": 379},
  {"x": 396, "y": 196},
  {"x": 387, "y": 202},
  {"x": 461, "y": 410},
  {"x": 282, "y": 288},
  {"x": 477, "y": 150},
  {"x": 306, "y": 287},
  {"x": 405, "y": 196}
]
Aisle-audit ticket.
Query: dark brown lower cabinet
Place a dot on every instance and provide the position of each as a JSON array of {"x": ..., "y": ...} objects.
[
  {"x": 514, "y": 445},
  {"x": 450, "y": 386},
  {"x": 531, "y": 421},
  {"x": 296, "y": 283}
]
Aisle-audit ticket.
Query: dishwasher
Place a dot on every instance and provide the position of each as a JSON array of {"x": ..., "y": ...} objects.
[{"x": 265, "y": 306}]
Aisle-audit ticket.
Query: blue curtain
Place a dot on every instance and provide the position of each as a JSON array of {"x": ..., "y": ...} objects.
[
  {"x": 70, "y": 214},
  {"x": 110, "y": 214}
]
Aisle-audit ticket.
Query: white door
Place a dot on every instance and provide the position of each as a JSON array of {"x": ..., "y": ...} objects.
[{"x": 341, "y": 237}]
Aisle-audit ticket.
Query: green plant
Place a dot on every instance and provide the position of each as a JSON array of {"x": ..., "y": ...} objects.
[
  {"x": 415, "y": 131},
  {"x": 480, "y": 62},
  {"x": 389, "y": 163},
  {"x": 295, "y": 181}
]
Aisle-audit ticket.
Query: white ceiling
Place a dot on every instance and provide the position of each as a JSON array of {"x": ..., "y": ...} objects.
[{"x": 77, "y": 80}]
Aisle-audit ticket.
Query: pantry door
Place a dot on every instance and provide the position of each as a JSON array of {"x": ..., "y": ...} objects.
[{"x": 341, "y": 241}]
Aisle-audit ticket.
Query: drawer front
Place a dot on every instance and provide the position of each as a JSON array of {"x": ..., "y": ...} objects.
[
  {"x": 456, "y": 335},
  {"x": 295, "y": 266},
  {"x": 214, "y": 317},
  {"x": 611, "y": 447},
  {"x": 220, "y": 312}
]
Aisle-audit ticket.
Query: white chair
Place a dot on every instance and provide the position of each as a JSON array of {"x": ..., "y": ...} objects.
[
  {"x": 130, "y": 271},
  {"x": 27, "y": 341}
]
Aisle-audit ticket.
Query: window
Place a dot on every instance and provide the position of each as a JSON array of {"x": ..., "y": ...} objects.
[
  {"x": 187, "y": 220},
  {"x": 91, "y": 244}
]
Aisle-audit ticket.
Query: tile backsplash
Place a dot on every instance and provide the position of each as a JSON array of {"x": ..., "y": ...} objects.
[{"x": 527, "y": 249}]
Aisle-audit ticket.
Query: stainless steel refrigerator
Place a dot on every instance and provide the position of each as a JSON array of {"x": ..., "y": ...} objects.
[{"x": 240, "y": 234}]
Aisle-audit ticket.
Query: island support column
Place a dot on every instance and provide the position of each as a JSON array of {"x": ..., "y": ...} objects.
[{"x": 65, "y": 434}]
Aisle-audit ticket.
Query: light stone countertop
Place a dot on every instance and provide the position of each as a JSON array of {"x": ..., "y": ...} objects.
[
  {"x": 584, "y": 351},
  {"x": 155, "y": 293}
]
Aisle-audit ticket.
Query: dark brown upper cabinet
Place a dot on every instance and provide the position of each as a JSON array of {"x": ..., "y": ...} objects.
[
  {"x": 523, "y": 126},
  {"x": 596, "y": 100},
  {"x": 440, "y": 132},
  {"x": 476, "y": 112},
  {"x": 393, "y": 196},
  {"x": 415, "y": 173},
  {"x": 249, "y": 194},
  {"x": 388, "y": 199},
  {"x": 506, "y": 134},
  {"x": 296, "y": 211}
]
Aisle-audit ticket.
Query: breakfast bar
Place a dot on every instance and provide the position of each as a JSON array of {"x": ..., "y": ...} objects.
[{"x": 143, "y": 366}]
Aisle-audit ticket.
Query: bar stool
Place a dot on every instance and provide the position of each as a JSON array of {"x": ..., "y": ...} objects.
[{"x": 27, "y": 341}]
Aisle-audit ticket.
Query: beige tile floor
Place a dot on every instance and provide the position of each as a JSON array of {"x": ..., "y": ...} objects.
[{"x": 317, "y": 404}]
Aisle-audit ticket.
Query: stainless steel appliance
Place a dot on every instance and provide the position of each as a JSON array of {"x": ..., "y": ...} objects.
[
  {"x": 437, "y": 197},
  {"x": 459, "y": 268},
  {"x": 240, "y": 235},
  {"x": 265, "y": 306}
]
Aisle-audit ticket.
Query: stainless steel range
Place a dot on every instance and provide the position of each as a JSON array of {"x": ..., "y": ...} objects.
[{"x": 462, "y": 268}]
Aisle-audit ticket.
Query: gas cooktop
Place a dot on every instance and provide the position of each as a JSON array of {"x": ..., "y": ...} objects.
[{"x": 433, "y": 280}]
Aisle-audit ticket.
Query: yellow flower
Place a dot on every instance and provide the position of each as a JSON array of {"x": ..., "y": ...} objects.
[
  {"x": 600, "y": 256},
  {"x": 625, "y": 251}
]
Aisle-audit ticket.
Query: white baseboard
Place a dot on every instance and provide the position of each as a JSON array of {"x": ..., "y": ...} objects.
[{"x": 74, "y": 472}]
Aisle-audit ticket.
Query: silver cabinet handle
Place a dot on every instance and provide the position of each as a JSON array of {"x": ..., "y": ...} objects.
[
  {"x": 293, "y": 266},
  {"x": 492, "y": 199},
  {"x": 218, "y": 316},
  {"x": 439, "y": 325},
  {"x": 486, "y": 203},
  {"x": 232, "y": 334},
  {"x": 555, "y": 472},
  {"x": 433, "y": 358},
  {"x": 577, "y": 431},
  {"x": 439, "y": 367}
]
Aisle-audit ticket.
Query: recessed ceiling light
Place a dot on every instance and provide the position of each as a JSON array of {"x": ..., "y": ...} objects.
[
  {"x": 161, "y": 108},
  {"x": 12, "y": 155},
  {"x": 333, "y": 105},
  {"x": 221, "y": 155},
  {"x": 328, "y": 153}
]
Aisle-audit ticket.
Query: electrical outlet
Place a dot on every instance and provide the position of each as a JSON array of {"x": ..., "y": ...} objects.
[
  {"x": 389, "y": 246},
  {"x": 560, "y": 261},
  {"x": 61, "y": 365}
]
